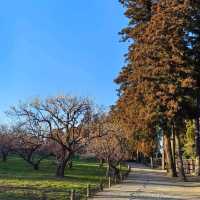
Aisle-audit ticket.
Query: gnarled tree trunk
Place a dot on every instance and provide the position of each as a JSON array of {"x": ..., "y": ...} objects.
[
  {"x": 62, "y": 163},
  {"x": 116, "y": 172},
  {"x": 60, "y": 170}
]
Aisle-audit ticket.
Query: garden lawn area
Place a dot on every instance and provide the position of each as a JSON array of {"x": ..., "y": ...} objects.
[{"x": 18, "y": 181}]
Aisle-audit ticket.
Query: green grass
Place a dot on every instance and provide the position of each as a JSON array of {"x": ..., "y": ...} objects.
[{"x": 18, "y": 181}]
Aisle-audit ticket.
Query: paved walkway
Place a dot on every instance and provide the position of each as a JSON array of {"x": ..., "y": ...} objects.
[{"x": 149, "y": 184}]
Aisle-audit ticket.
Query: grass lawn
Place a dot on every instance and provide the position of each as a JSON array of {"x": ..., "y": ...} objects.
[{"x": 18, "y": 181}]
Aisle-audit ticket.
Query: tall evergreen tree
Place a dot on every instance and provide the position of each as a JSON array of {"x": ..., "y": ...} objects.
[
  {"x": 193, "y": 40},
  {"x": 158, "y": 80},
  {"x": 139, "y": 13}
]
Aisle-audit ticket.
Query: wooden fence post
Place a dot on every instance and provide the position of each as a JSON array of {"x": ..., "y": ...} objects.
[
  {"x": 115, "y": 179},
  {"x": 120, "y": 177},
  {"x": 72, "y": 195},
  {"x": 129, "y": 168},
  {"x": 109, "y": 182},
  {"x": 151, "y": 162}
]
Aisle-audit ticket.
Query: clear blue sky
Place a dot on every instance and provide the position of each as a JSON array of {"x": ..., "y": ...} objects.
[{"x": 51, "y": 47}]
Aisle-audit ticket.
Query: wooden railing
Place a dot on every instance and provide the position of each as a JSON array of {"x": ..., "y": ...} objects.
[
  {"x": 73, "y": 194},
  {"x": 189, "y": 166}
]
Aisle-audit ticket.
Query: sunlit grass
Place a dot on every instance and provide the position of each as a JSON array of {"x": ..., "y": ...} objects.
[{"x": 19, "y": 181}]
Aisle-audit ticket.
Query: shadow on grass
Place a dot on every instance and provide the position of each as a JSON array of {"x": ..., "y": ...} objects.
[{"x": 18, "y": 175}]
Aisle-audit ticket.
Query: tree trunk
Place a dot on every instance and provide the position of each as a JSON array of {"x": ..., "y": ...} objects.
[
  {"x": 163, "y": 154},
  {"x": 170, "y": 163},
  {"x": 36, "y": 166},
  {"x": 32, "y": 163},
  {"x": 108, "y": 170},
  {"x": 60, "y": 170},
  {"x": 70, "y": 164},
  {"x": 180, "y": 158},
  {"x": 4, "y": 157},
  {"x": 62, "y": 162},
  {"x": 173, "y": 144},
  {"x": 101, "y": 162},
  {"x": 116, "y": 172}
]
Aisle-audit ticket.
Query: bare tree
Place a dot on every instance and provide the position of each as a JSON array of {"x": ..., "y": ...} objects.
[
  {"x": 6, "y": 141},
  {"x": 64, "y": 121},
  {"x": 31, "y": 147},
  {"x": 112, "y": 146}
]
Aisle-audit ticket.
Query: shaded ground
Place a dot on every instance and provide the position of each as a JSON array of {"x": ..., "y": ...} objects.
[{"x": 148, "y": 184}]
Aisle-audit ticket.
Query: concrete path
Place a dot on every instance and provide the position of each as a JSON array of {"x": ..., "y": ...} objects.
[{"x": 148, "y": 184}]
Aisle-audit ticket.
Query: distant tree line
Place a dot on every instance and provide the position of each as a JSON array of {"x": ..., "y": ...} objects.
[{"x": 62, "y": 127}]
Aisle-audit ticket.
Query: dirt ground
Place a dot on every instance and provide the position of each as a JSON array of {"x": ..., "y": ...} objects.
[{"x": 150, "y": 184}]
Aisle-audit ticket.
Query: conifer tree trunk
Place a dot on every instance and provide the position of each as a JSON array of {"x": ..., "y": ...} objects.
[
  {"x": 180, "y": 158},
  {"x": 173, "y": 143},
  {"x": 170, "y": 163},
  {"x": 163, "y": 154}
]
